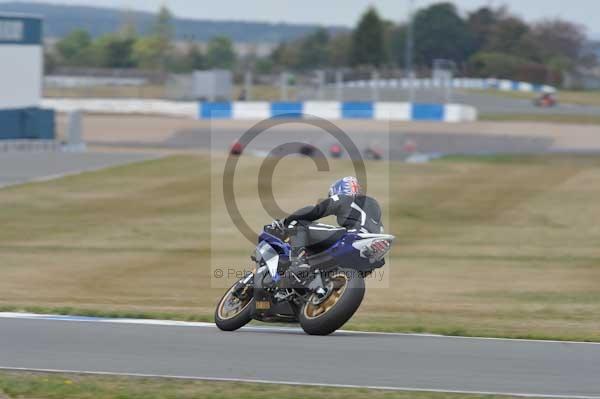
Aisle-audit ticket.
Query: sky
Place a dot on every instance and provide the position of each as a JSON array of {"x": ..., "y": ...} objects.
[{"x": 347, "y": 12}]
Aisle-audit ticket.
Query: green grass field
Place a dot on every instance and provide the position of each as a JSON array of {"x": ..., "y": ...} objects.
[
  {"x": 492, "y": 246},
  {"x": 66, "y": 386},
  {"x": 546, "y": 118},
  {"x": 259, "y": 92},
  {"x": 580, "y": 97}
]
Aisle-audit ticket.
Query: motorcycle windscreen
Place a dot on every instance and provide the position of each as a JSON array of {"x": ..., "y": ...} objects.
[{"x": 269, "y": 255}]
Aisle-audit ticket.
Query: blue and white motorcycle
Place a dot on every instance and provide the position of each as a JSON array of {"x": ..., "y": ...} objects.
[{"x": 329, "y": 295}]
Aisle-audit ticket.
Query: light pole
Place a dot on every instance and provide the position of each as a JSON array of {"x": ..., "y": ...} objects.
[{"x": 409, "y": 48}]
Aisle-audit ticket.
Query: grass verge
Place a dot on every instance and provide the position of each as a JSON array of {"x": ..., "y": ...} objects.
[
  {"x": 259, "y": 92},
  {"x": 547, "y": 118},
  {"x": 590, "y": 97},
  {"x": 106, "y": 313},
  {"x": 70, "y": 386}
]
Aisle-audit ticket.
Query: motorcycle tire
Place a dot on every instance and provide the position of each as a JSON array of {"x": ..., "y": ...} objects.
[
  {"x": 324, "y": 316},
  {"x": 236, "y": 321}
]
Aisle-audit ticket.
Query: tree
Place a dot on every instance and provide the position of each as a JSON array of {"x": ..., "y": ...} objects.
[
  {"x": 149, "y": 52},
  {"x": 163, "y": 27},
  {"x": 114, "y": 51},
  {"x": 397, "y": 44},
  {"x": 506, "y": 66},
  {"x": 506, "y": 35},
  {"x": 286, "y": 55},
  {"x": 481, "y": 23},
  {"x": 559, "y": 42},
  {"x": 441, "y": 33},
  {"x": 497, "y": 65},
  {"x": 220, "y": 53},
  {"x": 368, "y": 41},
  {"x": 313, "y": 50},
  {"x": 73, "y": 49},
  {"x": 340, "y": 47},
  {"x": 154, "y": 51},
  {"x": 196, "y": 57},
  {"x": 191, "y": 60},
  {"x": 264, "y": 65}
]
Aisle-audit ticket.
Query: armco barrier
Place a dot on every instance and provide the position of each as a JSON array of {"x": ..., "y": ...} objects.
[
  {"x": 258, "y": 110},
  {"x": 338, "y": 110},
  {"x": 124, "y": 106}
]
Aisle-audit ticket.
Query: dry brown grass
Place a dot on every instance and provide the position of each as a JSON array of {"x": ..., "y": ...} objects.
[
  {"x": 71, "y": 386},
  {"x": 493, "y": 246},
  {"x": 145, "y": 91},
  {"x": 259, "y": 92}
]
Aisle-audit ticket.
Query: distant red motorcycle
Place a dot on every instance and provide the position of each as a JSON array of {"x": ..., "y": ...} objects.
[
  {"x": 308, "y": 150},
  {"x": 335, "y": 151},
  {"x": 236, "y": 148},
  {"x": 546, "y": 100},
  {"x": 373, "y": 153}
]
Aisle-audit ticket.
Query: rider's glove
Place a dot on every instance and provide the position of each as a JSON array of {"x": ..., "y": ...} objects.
[{"x": 278, "y": 225}]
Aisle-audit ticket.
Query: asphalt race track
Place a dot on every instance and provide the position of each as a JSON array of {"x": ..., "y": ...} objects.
[
  {"x": 219, "y": 137},
  {"x": 396, "y": 361},
  {"x": 22, "y": 167},
  {"x": 485, "y": 103}
]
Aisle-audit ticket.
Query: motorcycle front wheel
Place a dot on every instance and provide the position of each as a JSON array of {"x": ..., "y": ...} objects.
[
  {"x": 233, "y": 313},
  {"x": 323, "y": 315}
]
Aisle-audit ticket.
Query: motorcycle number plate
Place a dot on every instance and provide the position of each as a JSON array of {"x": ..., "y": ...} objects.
[{"x": 263, "y": 305}]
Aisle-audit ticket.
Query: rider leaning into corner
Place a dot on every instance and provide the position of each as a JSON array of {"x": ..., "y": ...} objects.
[{"x": 354, "y": 211}]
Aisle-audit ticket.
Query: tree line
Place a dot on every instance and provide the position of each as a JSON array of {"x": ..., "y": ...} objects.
[
  {"x": 127, "y": 49},
  {"x": 487, "y": 42}
]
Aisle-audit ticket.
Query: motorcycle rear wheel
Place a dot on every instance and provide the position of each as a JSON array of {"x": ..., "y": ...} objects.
[
  {"x": 346, "y": 289},
  {"x": 233, "y": 313}
]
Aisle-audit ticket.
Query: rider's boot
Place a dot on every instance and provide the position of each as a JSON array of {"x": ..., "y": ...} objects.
[{"x": 296, "y": 275}]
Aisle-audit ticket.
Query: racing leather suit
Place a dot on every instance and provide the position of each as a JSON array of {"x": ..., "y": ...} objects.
[{"x": 359, "y": 213}]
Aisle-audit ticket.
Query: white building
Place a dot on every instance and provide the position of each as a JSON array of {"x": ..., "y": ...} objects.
[{"x": 21, "y": 71}]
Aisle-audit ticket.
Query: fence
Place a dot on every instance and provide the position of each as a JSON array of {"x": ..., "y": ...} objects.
[{"x": 341, "y": 85}]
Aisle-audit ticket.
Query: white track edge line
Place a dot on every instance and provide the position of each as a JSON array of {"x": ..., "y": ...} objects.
[
  {"x": 297, "y": 383},
  {"x": 176, "y": 323}
]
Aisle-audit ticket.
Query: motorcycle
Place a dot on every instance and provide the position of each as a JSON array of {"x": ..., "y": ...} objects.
[
  {"x": 330, "y": 294},
  {"x": 335, "y": 150},
  {"x": 373, "y": 153},
  {"x": 545, "y": 101}
]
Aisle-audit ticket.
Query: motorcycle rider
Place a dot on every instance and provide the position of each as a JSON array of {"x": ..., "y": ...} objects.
[{"x": 354, "y": 211}]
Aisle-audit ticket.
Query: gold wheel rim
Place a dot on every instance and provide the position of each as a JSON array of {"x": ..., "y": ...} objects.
[
  {"x": 339, "y": 283},
  {"x": 230, "y": 314}
]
